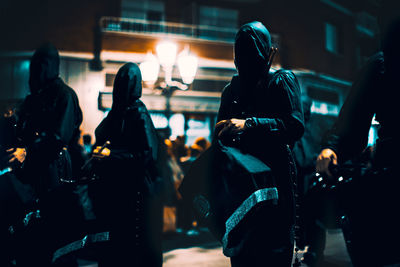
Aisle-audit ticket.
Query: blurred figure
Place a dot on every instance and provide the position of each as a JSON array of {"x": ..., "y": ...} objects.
[
  {"x": 305, "y": 152},
  {"x": 14, "y": 196},
  {"x": 173, "y": 171},
  {"x": 202, "y": 142},
  {"x": 87, "y": 144},
  {"x": 174, "y": 176},
  {"x": 372, "y": 215},
  {"x": 185, "y": 216},
  {"x": 174, "y": 164},
  {"x": 180, "y": 149},
  {"x": 261, "y": 114},
  {"x": 199, "y": 145},
  {"x": 48, "y": 124},
  {"x": 126, "y": 198}
]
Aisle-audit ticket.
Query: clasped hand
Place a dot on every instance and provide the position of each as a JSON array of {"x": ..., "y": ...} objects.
[{"x": 230, "y": 127}]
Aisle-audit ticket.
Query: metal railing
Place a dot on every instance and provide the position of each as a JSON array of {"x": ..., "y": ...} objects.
[{"x": 141, "y": 26}]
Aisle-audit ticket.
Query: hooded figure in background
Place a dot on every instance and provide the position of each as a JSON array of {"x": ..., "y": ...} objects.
[
  {"x": 261, "y": 114},
  {"x": 47, "y": 125},
  {"x": 48, "y": 122},
  {"x": 371, "y": 220},
  {"x": 127, "y": 197}
]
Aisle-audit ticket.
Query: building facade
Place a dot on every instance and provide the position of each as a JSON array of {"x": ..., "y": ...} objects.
[{"x": 323, "y": 41}]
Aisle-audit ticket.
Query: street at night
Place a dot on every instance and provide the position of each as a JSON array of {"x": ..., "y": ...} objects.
[
  {"x": 199, "y": 133},
  {"x": 206, "y": 252},
  {"x": 203, "y": 250}
]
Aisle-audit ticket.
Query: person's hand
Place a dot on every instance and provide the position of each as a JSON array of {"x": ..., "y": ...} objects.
[
  {"x": 324, "y": 160},
  {"x": 231, "y": 127},
  {"x": 101, "y": 152},
  {"x": 219, "y": 126},
  {"x": 18, "y": 154}
]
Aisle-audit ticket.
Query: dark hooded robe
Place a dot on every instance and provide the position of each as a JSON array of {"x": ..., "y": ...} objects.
[
  {"x": 272, "y": 100},
  {"x": 47, "y": 126},
  {"x": 127, "y": 193},
  {"x": 374, "y": 209},
  {"x": 48, "y": 122}
]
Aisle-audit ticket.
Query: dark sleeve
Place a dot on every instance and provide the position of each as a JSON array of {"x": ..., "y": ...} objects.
[
  {"x": 68, "y": 117},
  {"x": 286, "y": 125},
  {"x": 224, "y": 108},
  {"x": 141, "y": 142},
  {"x": 151, "y": 142},
  {"x": 349, "y": 134}
]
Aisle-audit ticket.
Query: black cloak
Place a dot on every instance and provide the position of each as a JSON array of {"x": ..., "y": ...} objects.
[
  {"x": 374, "y": 92},
  {"x": 48, "y": 126},
  {"x": 373, "y": 199},
  {"x": 127, "y": 196},
  {"x": 48, "y": 121},
  {"x": 273, "y": 100},
  {"x": 271, "y": 97}
]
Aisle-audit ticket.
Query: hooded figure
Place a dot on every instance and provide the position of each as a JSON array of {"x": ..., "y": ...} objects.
[
  {"x": 374, "y": 92},
  {"x": 126, "y": 198},
  {"x": 252, "y": 51},
  {"x": 261, "y": 114},
  {"x": 44, "y": 67},
  {"x": 48, "y": 122}
]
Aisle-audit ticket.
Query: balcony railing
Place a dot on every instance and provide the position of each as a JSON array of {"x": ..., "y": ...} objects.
[{"x": 140, "y": 26}]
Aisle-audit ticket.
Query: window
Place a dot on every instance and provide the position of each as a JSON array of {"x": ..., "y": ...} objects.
[
  {"x": 219, "y": 17},
  {"x": 143, "y": 9},
  {"x": 222, "y": 18},
  {"x": 154, "y": 15},
  {"x": 325, "y": 102},
  {"x": 332, "y": 38},
  {"x": 110, "y": 77},
  {"x": 323, "y": 95},
  {"x": 198, "y": 126}
]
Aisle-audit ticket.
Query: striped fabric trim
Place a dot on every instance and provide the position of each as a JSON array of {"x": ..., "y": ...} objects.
[
  {"x": 237, "y": 216},
  {"x": 80, "y": 244}
]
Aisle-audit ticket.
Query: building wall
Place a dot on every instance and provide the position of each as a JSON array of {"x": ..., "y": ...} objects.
[
  {"x": 68, "y": 24},
  {"x": 143, "y": 44},
  {"x": 87, "y": 84},
  {"x": 299, "y": 27}
]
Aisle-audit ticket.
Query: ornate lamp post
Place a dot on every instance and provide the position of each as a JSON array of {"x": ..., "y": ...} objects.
[{"x": 167, "y": 57}]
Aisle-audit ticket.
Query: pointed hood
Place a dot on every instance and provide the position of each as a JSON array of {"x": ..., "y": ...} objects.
[
  {"x": 127, "y": 87},
  {"x": 44, "y": 67},
  {"x": 252, "y": 50}
]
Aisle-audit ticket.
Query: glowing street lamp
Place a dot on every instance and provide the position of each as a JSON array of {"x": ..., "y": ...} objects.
[
  {"x": 150, "y": 68},
  {"x": 167, "y": 57},
  {"x": 166, "y": 52},
  {"x": 187, "y": 64}
]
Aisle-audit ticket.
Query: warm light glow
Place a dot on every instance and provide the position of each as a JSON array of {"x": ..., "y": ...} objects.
[
  {"x": 187, "y": 64},
  {"x": 166, "y": 52},
  {"x": 150, "y": 68}
]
